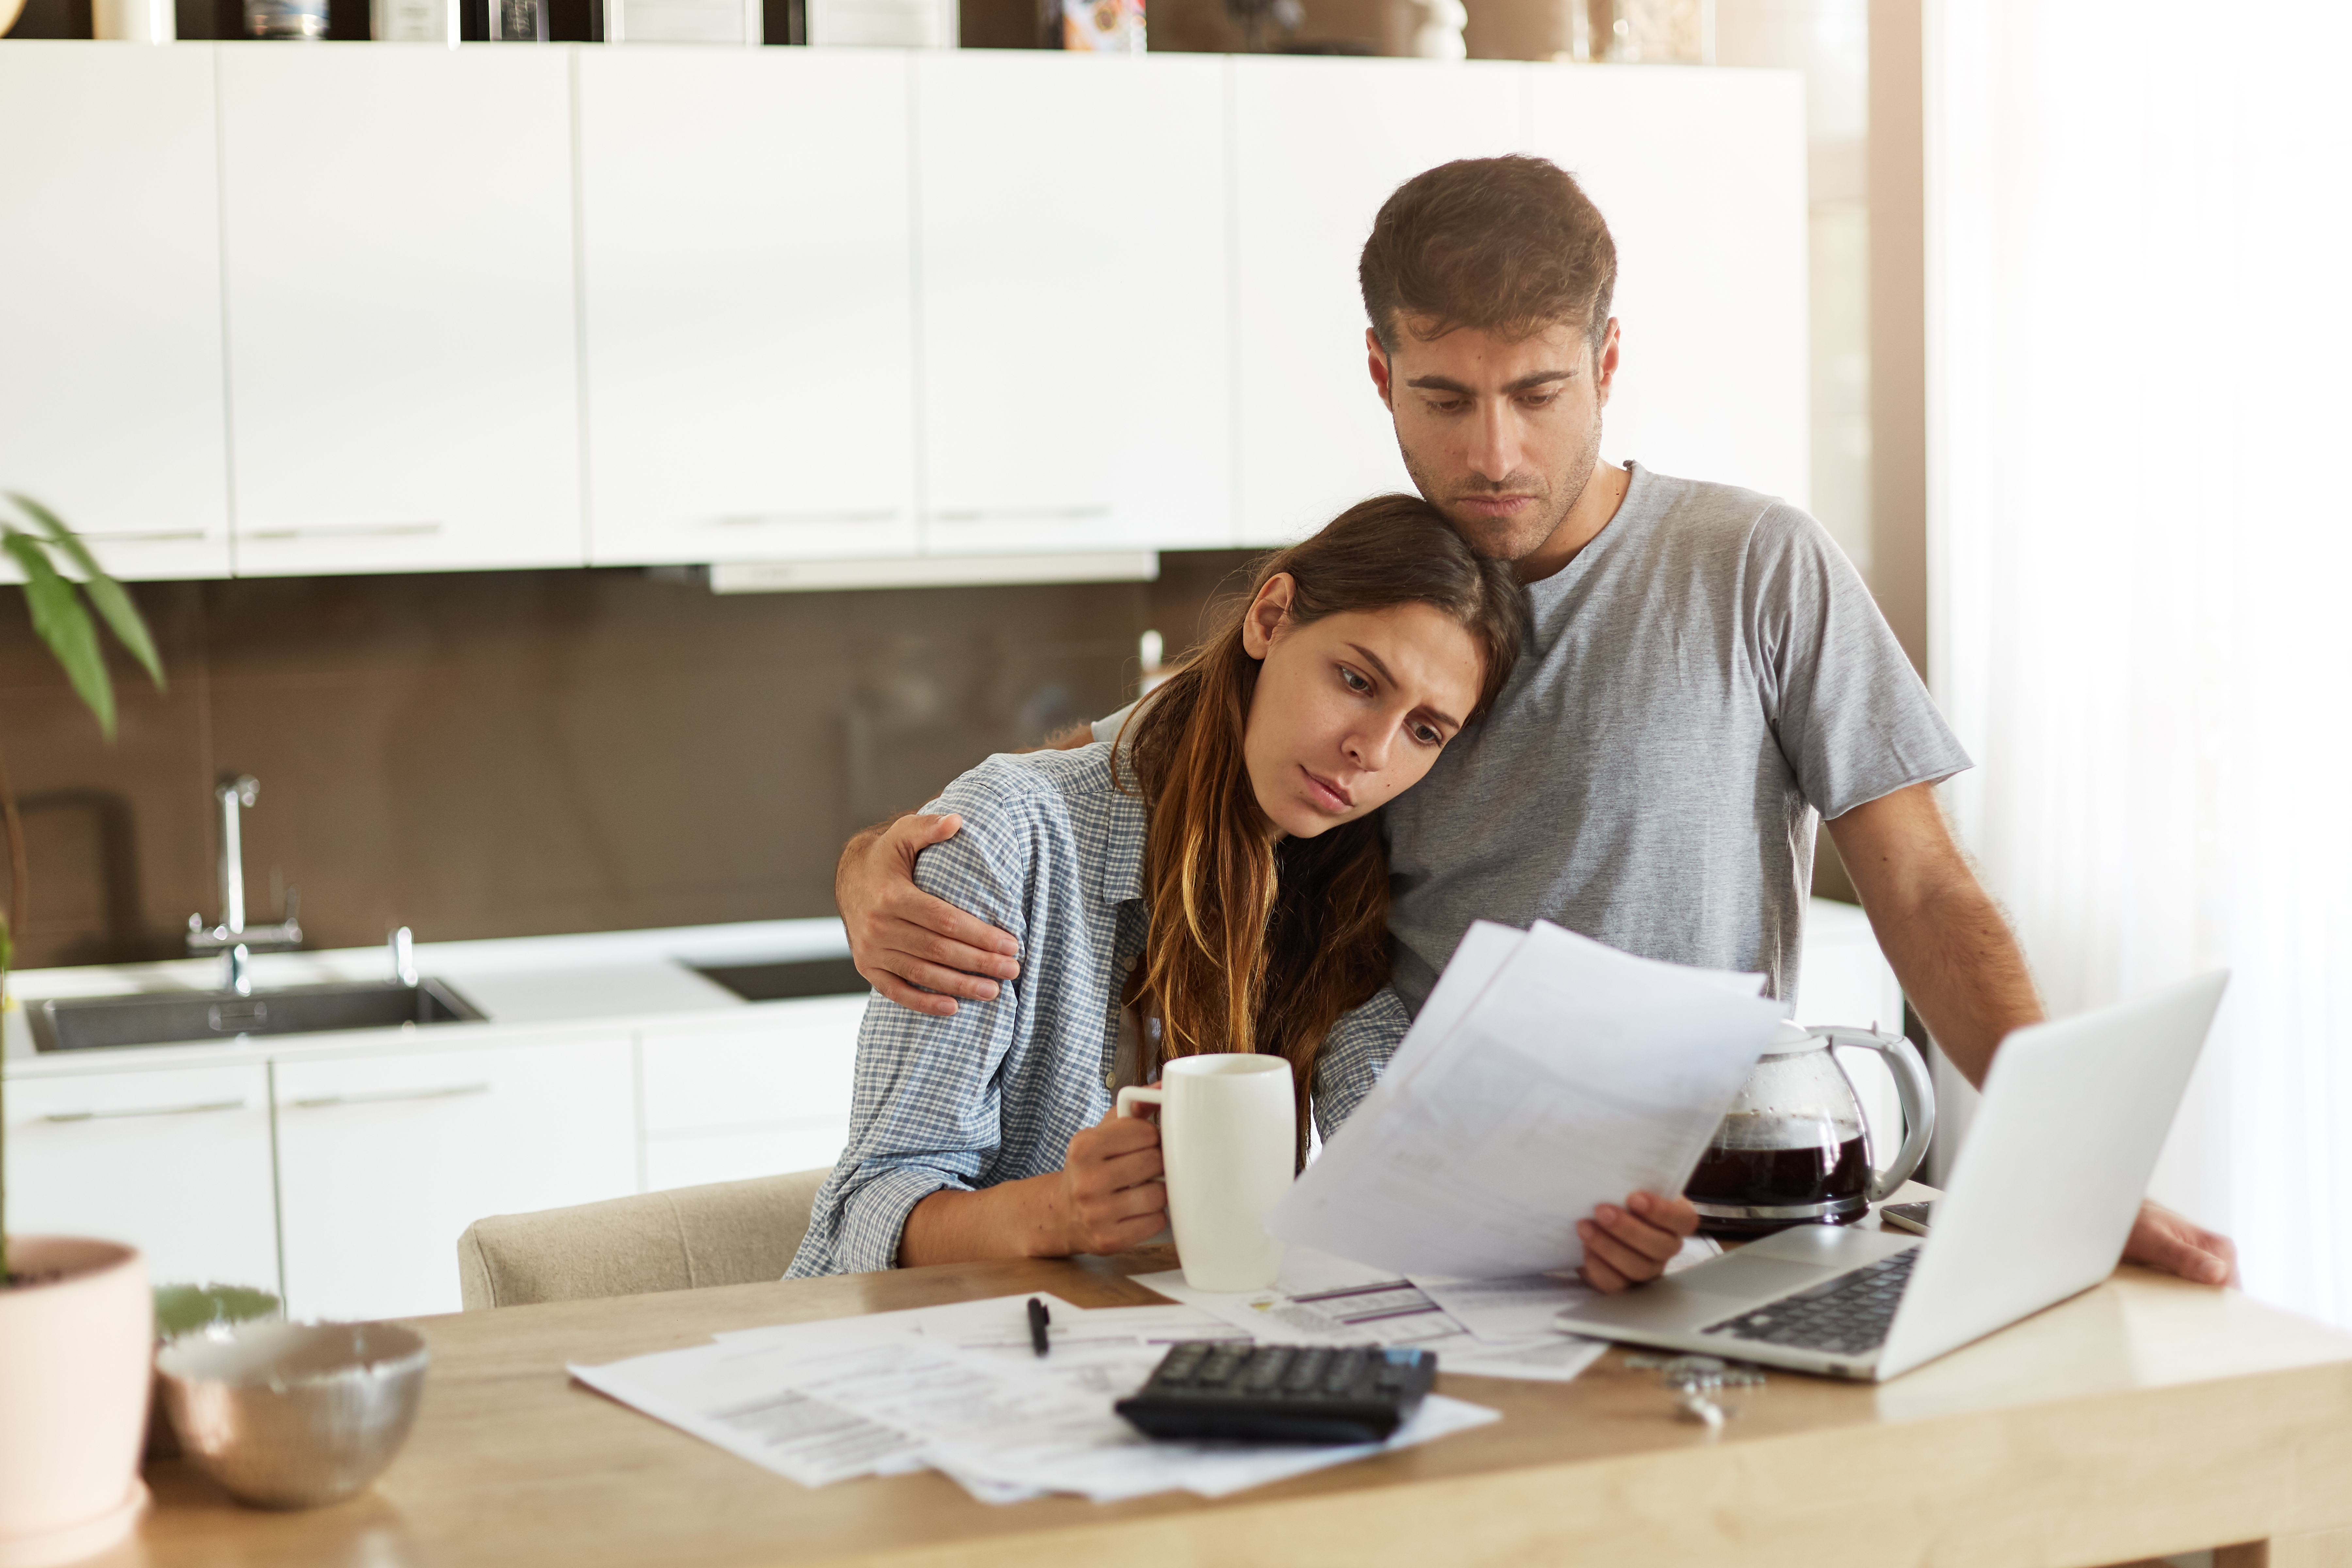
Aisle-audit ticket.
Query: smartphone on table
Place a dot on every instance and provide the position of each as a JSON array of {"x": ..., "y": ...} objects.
[{"x": 1912, "y": 1218}]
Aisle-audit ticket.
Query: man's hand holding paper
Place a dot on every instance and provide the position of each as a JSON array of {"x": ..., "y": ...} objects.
[{"x": 1548, "y": 1077}]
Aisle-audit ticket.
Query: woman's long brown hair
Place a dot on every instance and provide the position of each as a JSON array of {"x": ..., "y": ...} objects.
[{"x": 1257, "y": 944}]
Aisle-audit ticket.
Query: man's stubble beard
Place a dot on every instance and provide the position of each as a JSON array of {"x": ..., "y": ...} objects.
[{"x": 1519, "y": 539}]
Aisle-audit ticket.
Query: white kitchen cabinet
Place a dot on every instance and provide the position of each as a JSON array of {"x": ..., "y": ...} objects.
[
  {"x": 112, "y": 408},
  {"x": 747, "y": 304},
  {"x": 392, "y": 308},
  {"x": 383, "y": 1161},
  {"x": 1071, "y": 269},
  {"x": 693, "y": 1159},
  {"x": 757, "y": 1094},
  {"x": 397, "y": 228},
  {"x": 1318, "y": 144},
  {"x": 174, "y": 1161},
  {"x": 1701, "y": 174}
]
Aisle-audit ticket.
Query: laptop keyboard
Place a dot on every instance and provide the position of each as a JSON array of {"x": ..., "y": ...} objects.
[{"x": 1848, "y": 1315}]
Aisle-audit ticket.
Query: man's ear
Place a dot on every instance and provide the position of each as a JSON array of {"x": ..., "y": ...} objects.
[
  {"x": 1380, "y": 366},
  {"x": 1267, "y": 613},
  {"x": 1604, "y": 367}
]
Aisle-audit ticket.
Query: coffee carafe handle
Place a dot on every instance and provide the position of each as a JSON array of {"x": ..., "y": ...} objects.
[{"x": 1916, "y": 1092}]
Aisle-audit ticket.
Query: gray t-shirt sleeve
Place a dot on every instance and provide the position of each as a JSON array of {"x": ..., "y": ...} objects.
[
  {"x": 1107, "y": 729},
  {"x": 1851, "y": 715}
]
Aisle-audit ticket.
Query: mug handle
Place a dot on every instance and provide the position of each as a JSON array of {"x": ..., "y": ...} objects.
[
  {"x": 1913, "y": 1088},
  {"x": 1135, "y": 1092}
]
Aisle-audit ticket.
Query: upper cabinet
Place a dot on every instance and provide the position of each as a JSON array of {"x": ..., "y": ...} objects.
[
  {"x": 110, "y": 400},
  {"x": 1318, "y": 144},
  {"x": 1072, "y": 264},
  {"x": 748, "y": 304},
  {"x": 1701, "y": 174},
  {"x": 386, "y": 308},
  {"x": 403, "y": 378}
]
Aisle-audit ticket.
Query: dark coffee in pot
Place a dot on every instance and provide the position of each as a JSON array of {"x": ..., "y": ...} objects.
[
  {"x": 1770, "y": 1163},
  {"x": 1774, "y": 1178}
]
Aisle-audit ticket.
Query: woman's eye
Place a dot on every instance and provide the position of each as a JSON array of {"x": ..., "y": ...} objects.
[
  {"x": 1355, "y": 679},
  {"x": 1427, "y": 735}
]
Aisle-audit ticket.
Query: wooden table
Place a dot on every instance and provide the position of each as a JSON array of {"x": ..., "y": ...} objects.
[{"x": 2146, "y": 1416}]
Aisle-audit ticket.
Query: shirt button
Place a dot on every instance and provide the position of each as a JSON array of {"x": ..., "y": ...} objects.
[{"x": 1110, "y": 1080}]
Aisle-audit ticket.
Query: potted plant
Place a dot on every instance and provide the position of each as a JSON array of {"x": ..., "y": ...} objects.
[{"x": 77, "y": 1323}]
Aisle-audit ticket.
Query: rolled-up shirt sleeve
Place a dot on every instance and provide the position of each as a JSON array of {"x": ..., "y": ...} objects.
[
  {"x": 925, "y": 1113},
  {"x": 1353, "y": 1055}
]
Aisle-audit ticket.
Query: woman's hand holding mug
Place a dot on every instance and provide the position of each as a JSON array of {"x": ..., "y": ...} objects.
[{"x": 1112, "y": 1194}]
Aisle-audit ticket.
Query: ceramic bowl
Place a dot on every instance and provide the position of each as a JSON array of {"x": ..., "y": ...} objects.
[{"x": 293, "y": 1415}]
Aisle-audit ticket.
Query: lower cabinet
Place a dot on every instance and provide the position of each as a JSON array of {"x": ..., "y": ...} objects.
[
  {"x": 173, "y": 1161},
  {"x": 385, "y": 1155},
  {"x": 384, "y": 1160},
  {"x": 763, "y": 1093}
]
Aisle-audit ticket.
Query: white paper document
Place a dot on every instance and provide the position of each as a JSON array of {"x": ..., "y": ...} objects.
[
  {"x": 1553, "y": 1358},
  {"x": 1545, "y": 1075},
  {"x": 751, "y": 1402},
  {"x": 1508, "y": 1308},
  {"x": 1383, "y": 1310},
  {"x": 958, "y": 1388},
  {"x": 1478, "y": 1328}
]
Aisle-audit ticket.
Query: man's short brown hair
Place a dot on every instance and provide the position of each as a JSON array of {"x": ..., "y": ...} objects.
[{"x": 1509, "y": 246}]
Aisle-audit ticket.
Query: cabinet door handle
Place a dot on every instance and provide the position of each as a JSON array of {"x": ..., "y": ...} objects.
[
  {"x": 772, "y": 518},
  {"x": 196, "y": 1108},
  {"x": 1023, "y": 514},
  {"x": 390, "y": 1096},
  {"x": 344, "y": 531}
]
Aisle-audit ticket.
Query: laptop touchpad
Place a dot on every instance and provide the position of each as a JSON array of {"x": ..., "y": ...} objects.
[{"x": 1742, "y": 1274}]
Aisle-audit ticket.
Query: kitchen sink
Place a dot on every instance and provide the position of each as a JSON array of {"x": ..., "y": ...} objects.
[
  {"x": 782, "y": 982},
  {"x": 176, "y": 1017}
]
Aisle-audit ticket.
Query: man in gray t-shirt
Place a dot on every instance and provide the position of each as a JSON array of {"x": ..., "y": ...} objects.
[
  {"x": 1709, "y": 677},
  {"x": 1706, "y": 674}
]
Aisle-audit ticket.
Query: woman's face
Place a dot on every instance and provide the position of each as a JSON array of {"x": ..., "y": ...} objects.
[{"x": 1352, "y": 710}]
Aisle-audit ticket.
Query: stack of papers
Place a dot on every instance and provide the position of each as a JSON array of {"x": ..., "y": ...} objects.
[
  {"x": 1547, "y": 1075},
  {"x": 960, "y": 1389},
  {"x": 1498, "y": 1327}
]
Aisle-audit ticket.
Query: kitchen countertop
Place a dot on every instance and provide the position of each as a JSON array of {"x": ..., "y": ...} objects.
[{"x": 604, "y": 977}]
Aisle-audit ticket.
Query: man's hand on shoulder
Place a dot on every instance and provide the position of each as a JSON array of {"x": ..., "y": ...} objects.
[
  {"x": 1632, "y": 1244},
  {"x": 920, "y": 951},
  {"x": 2165, "y": 1240}
]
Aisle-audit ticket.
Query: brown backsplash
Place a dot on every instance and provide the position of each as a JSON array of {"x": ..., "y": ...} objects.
[{"x": 510, "y": 753}]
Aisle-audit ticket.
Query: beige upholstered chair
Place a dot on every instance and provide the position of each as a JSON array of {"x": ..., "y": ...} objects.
[{"x": 728, "y": 1232}]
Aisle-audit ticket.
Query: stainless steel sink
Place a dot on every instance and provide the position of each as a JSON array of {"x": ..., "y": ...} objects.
[
  {"x": 176, "y": 1017},
  {"x": 790, "y": 978}
]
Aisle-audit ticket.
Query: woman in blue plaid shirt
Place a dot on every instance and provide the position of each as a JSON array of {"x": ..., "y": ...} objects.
[{"x": 1214, "y": 883}]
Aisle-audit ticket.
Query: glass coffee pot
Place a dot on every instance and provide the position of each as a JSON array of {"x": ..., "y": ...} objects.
[{"x": 1791, "y": 1151}]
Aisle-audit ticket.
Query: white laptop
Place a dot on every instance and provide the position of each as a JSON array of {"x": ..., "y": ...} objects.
[{"x": 2038, "y": 1209}]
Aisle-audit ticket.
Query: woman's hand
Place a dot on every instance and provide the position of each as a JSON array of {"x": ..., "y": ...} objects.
[
  {"x": 1111, "y": 1197},
  {"x": 1632, "y": 1244}
]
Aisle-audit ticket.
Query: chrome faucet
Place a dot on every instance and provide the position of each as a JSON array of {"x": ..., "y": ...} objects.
[{"x": 232, "y": 937}]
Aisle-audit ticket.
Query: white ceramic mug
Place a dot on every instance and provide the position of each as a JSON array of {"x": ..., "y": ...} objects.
[{"x": 1229, "y": 1137}]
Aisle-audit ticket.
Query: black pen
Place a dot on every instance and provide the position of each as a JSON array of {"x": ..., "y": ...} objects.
[{"x": 1038, "y": 1318}]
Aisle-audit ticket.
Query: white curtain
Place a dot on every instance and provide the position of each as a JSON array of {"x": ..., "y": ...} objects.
[{"x": 2139, "y": 302}]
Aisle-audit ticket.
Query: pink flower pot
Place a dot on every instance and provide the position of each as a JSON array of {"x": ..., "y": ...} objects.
[{"x": 76, "y": 1348}]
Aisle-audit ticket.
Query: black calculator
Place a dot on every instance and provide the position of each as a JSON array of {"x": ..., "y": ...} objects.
[{"x": 1280, "y": 1394}]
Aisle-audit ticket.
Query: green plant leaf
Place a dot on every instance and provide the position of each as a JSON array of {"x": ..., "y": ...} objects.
[
  {"x": 65, "y": 625},
  {"x": 106, "y": 595}
]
